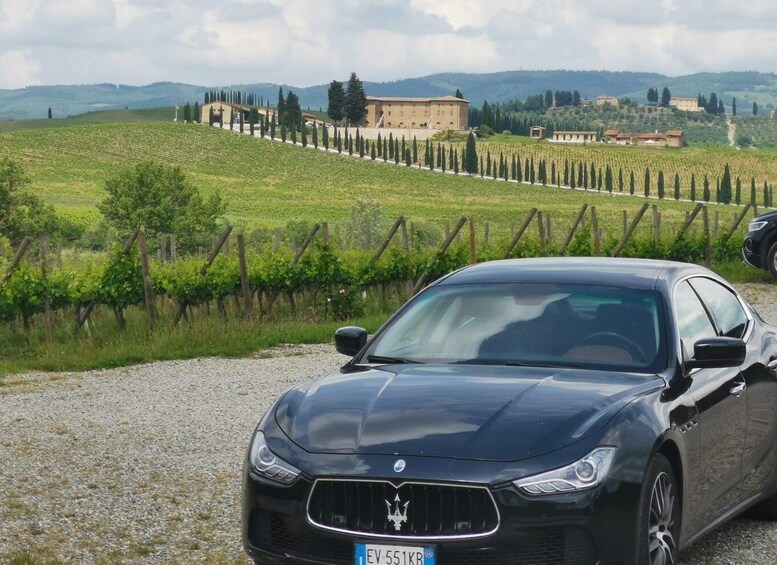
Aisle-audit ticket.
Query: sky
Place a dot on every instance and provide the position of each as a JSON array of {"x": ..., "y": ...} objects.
[{"x": 307, "y": 42}]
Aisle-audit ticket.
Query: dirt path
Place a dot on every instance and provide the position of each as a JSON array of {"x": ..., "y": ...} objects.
[{"x": 732, "y": 131}]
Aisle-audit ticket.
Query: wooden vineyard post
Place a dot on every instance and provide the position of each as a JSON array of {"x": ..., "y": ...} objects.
[
  {"x": 325, "y": 233},
  {"x": 399, "y": 222},
  {"x": 630, "y": 231},
  {"x": 82, "y": 314},
  {"x": 44, "y": 268},
  {"x": 549, "y": 227},
  {"x": 173, "y": 249},
  {"x": 297, "y": 256},
  {"x": 541, "y": 229},
  {"x": 625, "y": 222},
  {"x": 707, "y": 241},
  {"x": 597, "y": 234},
  {"x": 148, "y": 290},
  {"x": 245, "y": 284},
  {"x": 716, "y": 225},
  {"x": 405, "y": 240},
  {"x": 689, "y": 218},
  {"x": 212, "y": 257},
  {"x": 739, "y": 218},
  {"x": 445, "y": 244},
  {"x": 571, "y": 232},
  {"x": 473, "y": 252},
  {"x": 519, "y": 233},
  {"x": 656, "y": 225},
  {"x": 17, "y": 258}
]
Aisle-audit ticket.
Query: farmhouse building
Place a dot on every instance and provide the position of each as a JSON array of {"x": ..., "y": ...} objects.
[
  {"x": 224, "y": 112},
  {"x": 537, "y": 132},
  {"x": 685, "y": 104},
  {"x": 447, "y": 112},
  {"x": 574, "y": 136},
  {"x": 611, "y": 100},
  {"x": 673, "y": 138}
]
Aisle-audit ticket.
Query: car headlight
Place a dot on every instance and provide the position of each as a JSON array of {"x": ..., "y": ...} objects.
[
  {"x": 583, "y": 474},
  {"x": 265, "y": 463},
  {"x": 755, "y": 226}
]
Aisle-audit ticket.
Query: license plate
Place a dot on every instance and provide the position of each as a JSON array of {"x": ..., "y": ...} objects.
[{"x": 376, "y": 554}]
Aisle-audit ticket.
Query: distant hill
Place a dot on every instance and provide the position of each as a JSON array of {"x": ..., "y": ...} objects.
[{"x": 34, "y": 102}]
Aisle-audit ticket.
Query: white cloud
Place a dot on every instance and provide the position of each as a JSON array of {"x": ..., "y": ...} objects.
[{"x": 305, "y": 42}]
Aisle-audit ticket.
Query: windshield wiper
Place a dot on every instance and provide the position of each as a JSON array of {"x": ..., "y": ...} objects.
[{"x": 393, "y": 360}]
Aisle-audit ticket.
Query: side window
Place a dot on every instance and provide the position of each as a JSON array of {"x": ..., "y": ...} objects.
[
  {"x": 724, "y": 305},
  {"x": 693, "y": 323}
]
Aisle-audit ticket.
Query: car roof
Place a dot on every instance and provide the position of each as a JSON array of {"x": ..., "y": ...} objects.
[{"x": 603, "y": 271}]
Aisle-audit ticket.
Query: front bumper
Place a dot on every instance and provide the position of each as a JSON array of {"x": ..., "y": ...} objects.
[{"x": 597, "y": 526}]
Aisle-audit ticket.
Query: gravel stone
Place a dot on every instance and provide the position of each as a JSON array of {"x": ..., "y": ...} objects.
[{"x": 143, "y": 464}]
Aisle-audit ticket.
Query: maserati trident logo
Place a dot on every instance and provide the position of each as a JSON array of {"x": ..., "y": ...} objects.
[
  {"x": 399, "y": 466},
  {"x": 395, "y": 516}
]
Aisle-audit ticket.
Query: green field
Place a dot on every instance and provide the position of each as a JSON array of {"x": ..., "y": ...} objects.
[
  {"x": 150, "y": 115},
  {"x": 267, "y": 184}
]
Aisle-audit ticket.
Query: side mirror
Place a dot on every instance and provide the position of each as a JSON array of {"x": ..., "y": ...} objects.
[
  {"x": 350, "y": 340},
  {"x": 717, "y": 353}
]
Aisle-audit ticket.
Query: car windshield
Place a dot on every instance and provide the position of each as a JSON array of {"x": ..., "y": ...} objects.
[{"x": 531, "y": 324}]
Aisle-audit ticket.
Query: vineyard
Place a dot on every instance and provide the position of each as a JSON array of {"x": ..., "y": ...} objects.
[{"x": 266, "y": 184}]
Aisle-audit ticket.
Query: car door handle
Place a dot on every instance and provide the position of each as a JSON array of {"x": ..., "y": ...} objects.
[
  {"x": 738, "y": 389},
  {"x": 772, "y": 365}
]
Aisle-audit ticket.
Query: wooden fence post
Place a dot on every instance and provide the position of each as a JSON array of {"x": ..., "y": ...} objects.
[
  {"x": 173, "y": 249},
  {"x": 445, "y": 244},
  {"x": 656, "y": 225},
  {"x": 519, "y": 233},
  {"x": 17, "y": 258},
  {"x": 707, "y": 241},
  {"x": 44, "y": 268},
  {"x": 212, "y": 257},
  {"x": 541, "y": 229},
  {"x": 597, "y": 234},
  {"x": 245, "y": 284},
  {"x": 325, "y": 233},
  {"x": 84, "y": 313},
  {"x": 399, "y": 221},
  {"x": 630, "y": 231},
  {"x": 405, "y": 239},
  {"x": 571, "y": 232},
  {"x": 737, "y": 221},
  {"x": 689, "y": 217},
  {"x": 473, "y": 253},
  {"x": 148, "y": 290}
]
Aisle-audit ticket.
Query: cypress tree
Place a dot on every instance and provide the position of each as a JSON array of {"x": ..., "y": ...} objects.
[
  {"x": 272, "y": 129},
  {"x": 441, "y": 156},
  {"x": 553, "y": 172},
  {"x": 593, "y": 175},
  {"x": 451, "y": 154},
  {"x": 526, "y": 174},
  {"x": 380, "y": 145},
  {"x": 481, "y": 167},
  {"x": 403, "y": 147},
  {"x": 566, "y": 172},
  {"x": 385, "y": 150},
  {"x": 304, "y": 136},
  {"x": 676, "y": 186},
  {"x": 647, "y": 182},
  {"x": 755, "y": 108},
  {"x": 513, "y": 169},
  {"x": 415, "y": 150},
  {"x": 632, "y": 184},
  {"x": 396, "y": 152},
  {"x": 426, "y": 152},
  {"x": 531, "y": 171},
  {"x": 430, "y": 158},
  {"x": 585, "y": 176},
  {"x": 738, "y": 196},
  {"x": 579, "y": 174},
  {"x": 315, "y": 136},
  {"x": 608, "y": 179},
  {"x": 494, "y": 169},
  {"x": 196, "y": 116},
  {"x": 488, "y": 163},
  {"x": 361, "y": 147},
  {"x": 283, "y": 133},
  {"x": 391, "y": 145},
  {"x": 693, "y": 187},
  {"x": 372, "y": 151},
  {"x": 706, "y": 189},
  {"x": 717, "y": 191},
  {"x": 339, "y": 141},
  {"x": 725, "y": 186},
  {"x": 599, "y": 179},
  {"x": 572, "y": 183},
  {"x": 734, "y": 106},
  {"x": 518, "y": 170},
  {"x": 281, "y": 107},
  {"x": 661, "y": 187},
  {"x": 471, "y": 164},
  {"x": 261, "y": 127},
  {"x": 620, "y": 179},
  {"x": 456, "y": 162},
  {"x": 325, "y": 137},
  {"x": 350, "y": 145},
  {"x": 408, "y": 157},
  {"x": 766, "y": 190}
]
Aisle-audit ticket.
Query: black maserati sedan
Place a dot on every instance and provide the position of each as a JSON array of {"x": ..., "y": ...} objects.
[{"x": 536, "y": 412}]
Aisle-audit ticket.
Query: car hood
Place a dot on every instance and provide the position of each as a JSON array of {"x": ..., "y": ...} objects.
[{"x": 466, "y": 412}]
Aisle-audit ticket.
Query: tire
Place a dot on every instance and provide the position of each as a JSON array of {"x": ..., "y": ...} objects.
[
  {"x": 659, "y": 515},
  {"x": 771, "y": 260}
]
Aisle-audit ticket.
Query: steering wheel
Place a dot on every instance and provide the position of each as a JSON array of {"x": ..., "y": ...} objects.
[{"x": 615, "y": 340}]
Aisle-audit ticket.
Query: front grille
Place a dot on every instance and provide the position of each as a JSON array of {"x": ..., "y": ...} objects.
[
  {"x": 541, "y": 546},
  {"x": 421, "y": 511}
]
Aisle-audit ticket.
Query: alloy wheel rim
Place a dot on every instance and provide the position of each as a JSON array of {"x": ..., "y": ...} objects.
[{"x": 661, "y": 543}]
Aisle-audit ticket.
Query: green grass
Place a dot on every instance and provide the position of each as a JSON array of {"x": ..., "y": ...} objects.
[
  {"x": 93, "y": 118},
  {"x": 267, "y": 184},
  {"x": 208, "y": 336}
]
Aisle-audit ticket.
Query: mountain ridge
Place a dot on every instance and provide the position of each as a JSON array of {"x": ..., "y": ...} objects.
[{"x": 68, "y": 100}]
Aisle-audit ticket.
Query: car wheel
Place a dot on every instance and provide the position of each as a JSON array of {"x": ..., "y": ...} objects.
[
  {"x": 659, "y": 519},
  {"x": 771, "y": 260}
]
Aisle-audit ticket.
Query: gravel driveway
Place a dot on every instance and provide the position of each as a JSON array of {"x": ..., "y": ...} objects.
[{"x": 142, "y": 464}]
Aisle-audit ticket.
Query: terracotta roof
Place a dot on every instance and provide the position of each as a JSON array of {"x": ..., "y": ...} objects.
[
  {"x": 409, "y": 99},
  {"x": 611, "y": 133},
  {"x": 675, "y": 133}
]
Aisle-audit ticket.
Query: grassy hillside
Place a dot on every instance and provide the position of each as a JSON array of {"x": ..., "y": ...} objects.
[
  {"x": 148, "y": 115},
  {"x": 268, "y": 184}
]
